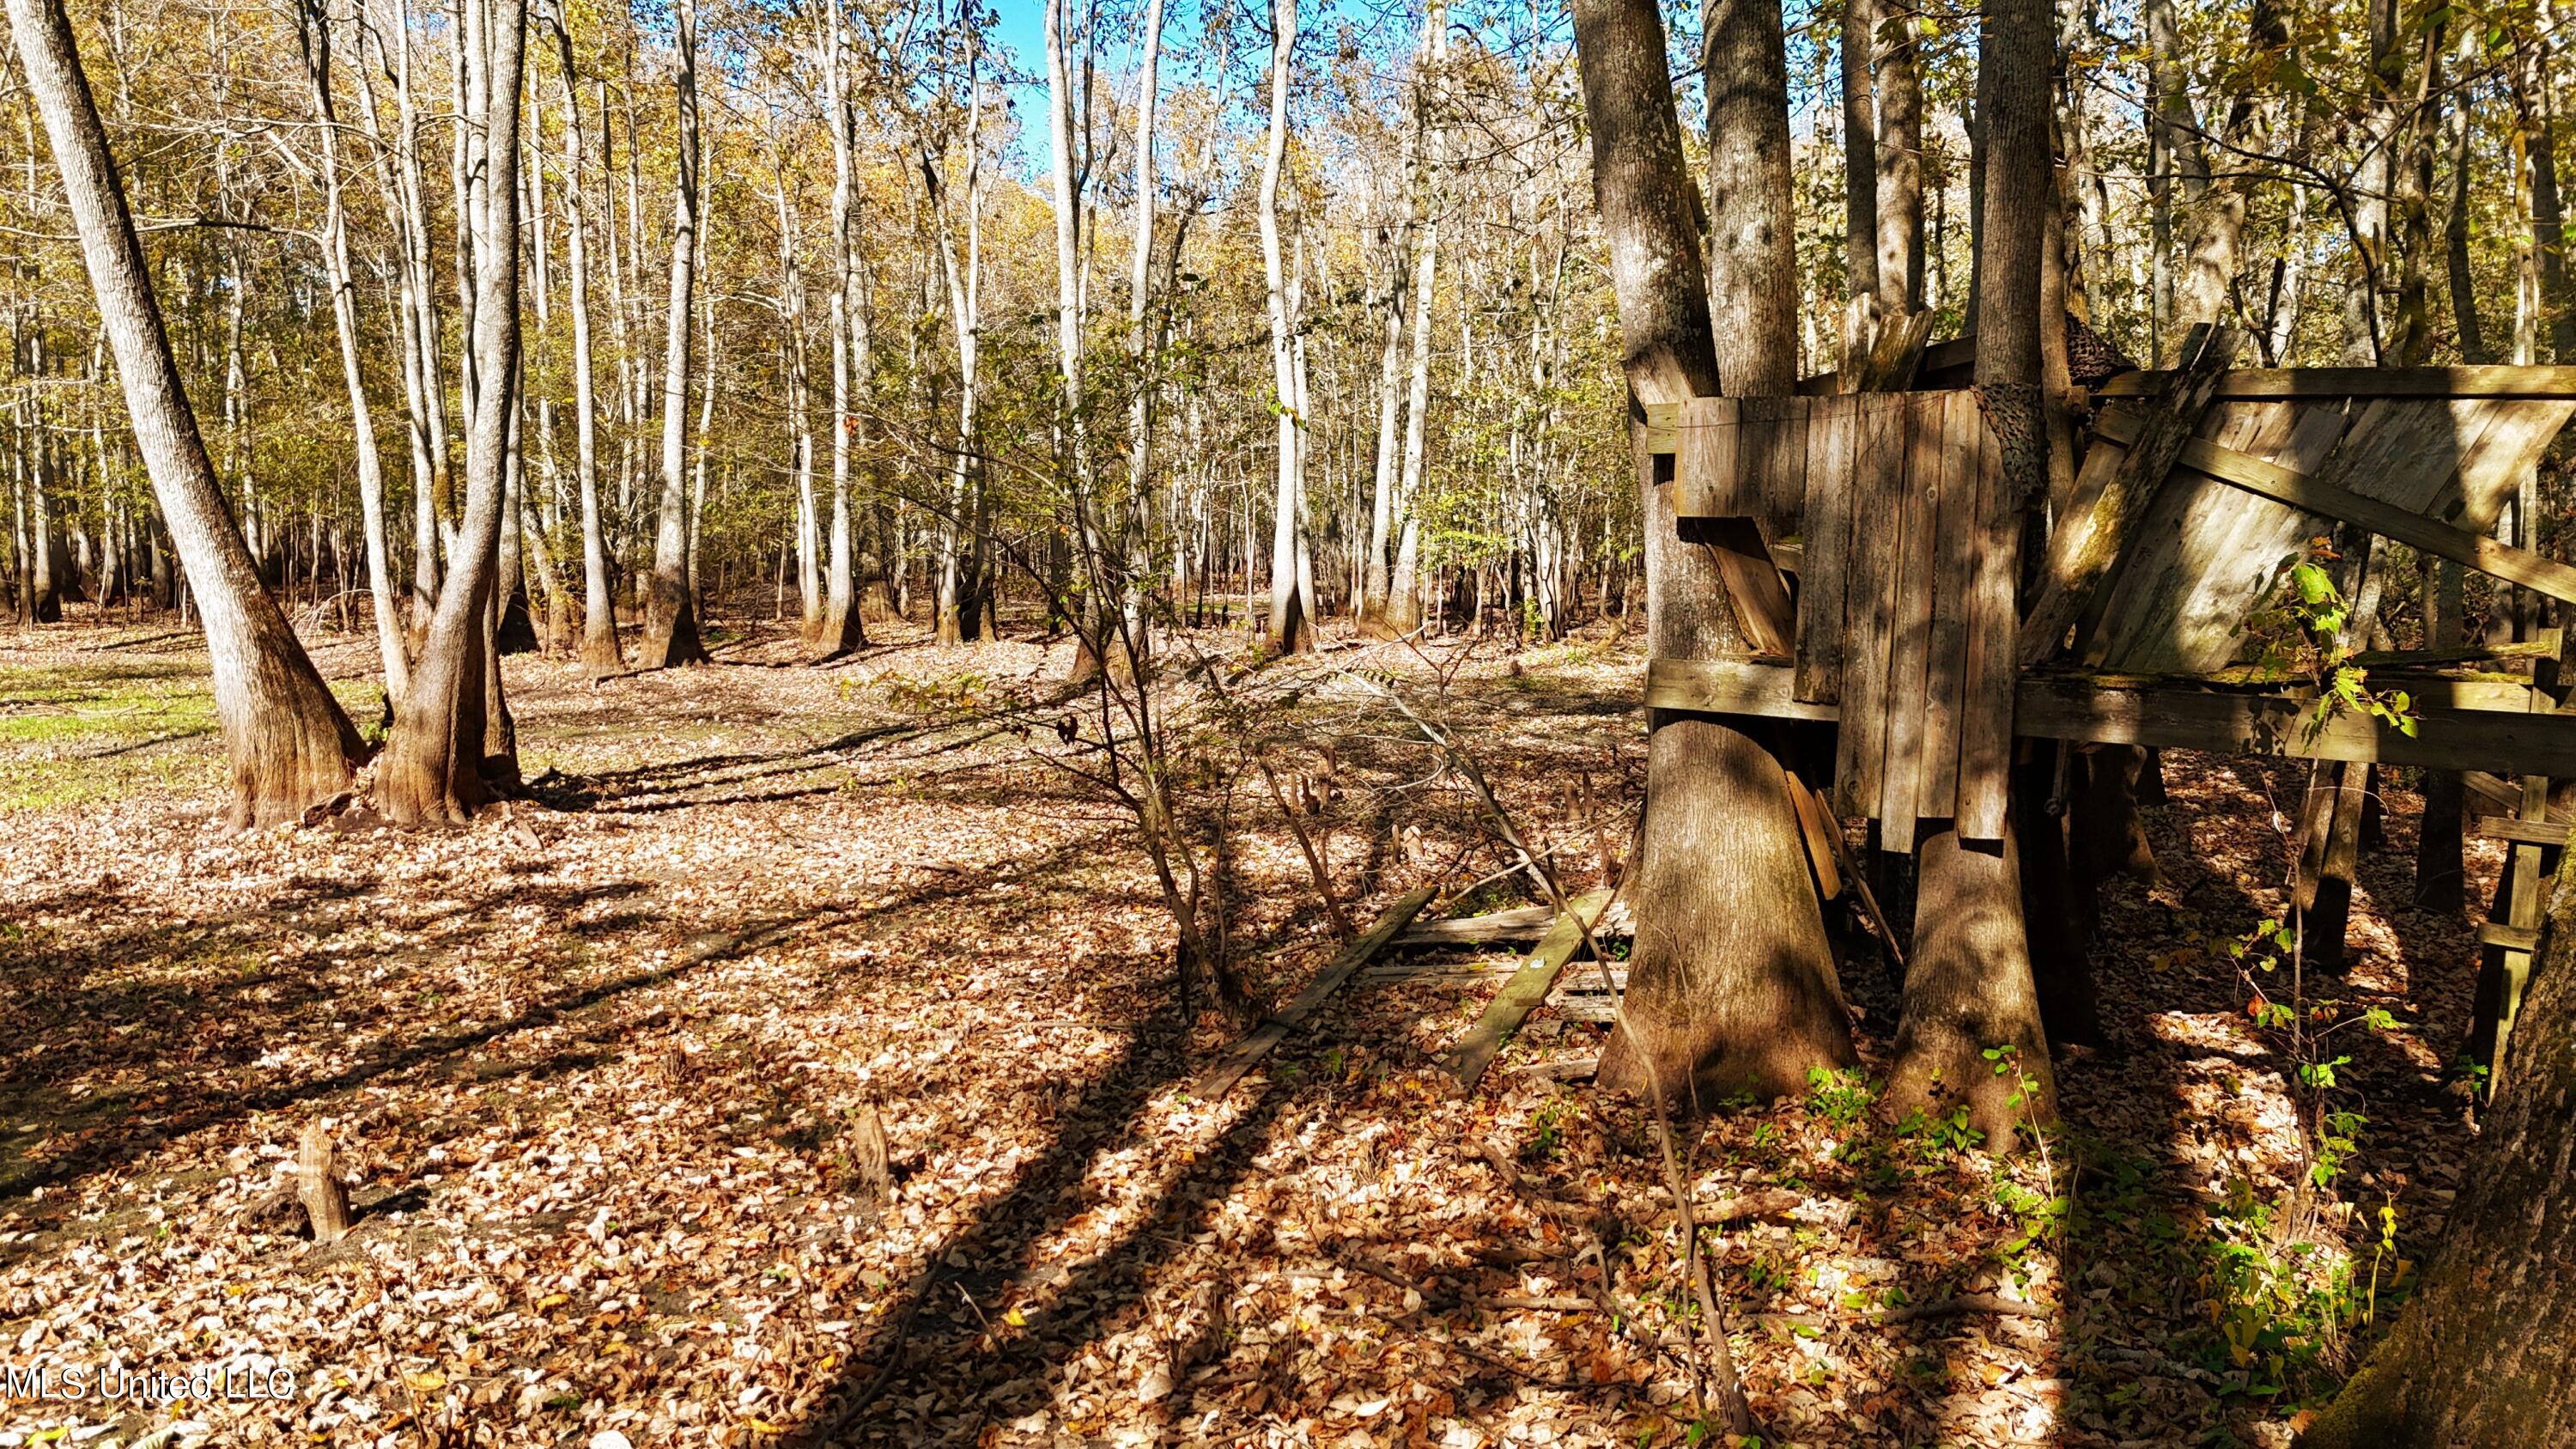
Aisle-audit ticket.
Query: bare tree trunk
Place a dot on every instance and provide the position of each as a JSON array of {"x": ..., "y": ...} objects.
[
  {"x": 1968, "y": 986},
  {"x": 433, "y": 767},
  {"x": 1291, "y": 605},
  {"x": 1860, "y": 184},
  {"x": 1731, "y": 985},
  {"x": 1899, "y": 200},
  {"x": 671, "y": 617},
  {"x": 844, "y": 624},
  {"x": 1404, "y": 585},
  {"x": 315, "y": 33},
  {"x": 598, "y": 606},
  {"x": 288, "y": 741}
]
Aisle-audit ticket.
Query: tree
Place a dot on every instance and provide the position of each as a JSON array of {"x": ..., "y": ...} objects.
[
  {"x": 1292, "y": 603},
  {"x": 599, "y": 648},
  {"x": 671, "y": 611},
  {"x": 1968, "y": 986},
  {"x": 844, "y": 628},
  {"x": 1729, "y": 987},
  {"x": 433, "y": 767},
  {"x": 2480, "y": 1354},
  {"x": 288, "y": 743}
]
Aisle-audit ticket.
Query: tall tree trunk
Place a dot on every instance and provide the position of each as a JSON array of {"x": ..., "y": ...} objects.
[
  {"x": 671, "y": 616},
  {"x": 1899, "y": 198},
  {"x": 1860, "y": 184},
  {"x": 433, "y": 767},
  {"x": 1404, "y": 584},
  {"x": 288, "y": 742},
  {"x": 1292, "y": 606},
  {"x": 315, "y": 34},
  {"x": 599, "y": 649},
  {"x": 844, "y": 624},
  {"x": 1968, "y": 986},
  {"x": 2479, "y": 1356},
  {"x": 1731, "y": 985}
]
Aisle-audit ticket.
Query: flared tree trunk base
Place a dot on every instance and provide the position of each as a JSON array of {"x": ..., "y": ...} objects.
[
  {"x": 1968, "y": 991},
  {"x": 1731, "y": 985}
]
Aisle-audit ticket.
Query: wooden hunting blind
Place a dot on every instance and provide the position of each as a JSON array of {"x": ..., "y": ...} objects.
[{"x": 1892, "y": 526}]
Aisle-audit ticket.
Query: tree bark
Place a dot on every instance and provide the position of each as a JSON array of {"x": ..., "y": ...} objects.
[
  {"x": 1292, "y": 604},
  {"x": 1860, "y": 184},
  {"x": 599, "y": 649},
  {"x": 2480, "y": 1354},
  {"x": 433, "y": 767},
  {"x": 844, "y": 626},
  {"x": 1900, "y": 159},
  {"x": 1731, "y": 984},
  {"x": 287, "y": 740},
  {"x": 315, "y": 33},
  {"x": 671, "y": 617},
  {"x": 1968, "y": 986}
]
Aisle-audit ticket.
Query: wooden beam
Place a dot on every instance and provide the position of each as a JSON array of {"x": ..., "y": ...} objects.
[
  {"x": 2527, "y": 832},
  {"x": 2525, "y": 939},
  {"x": 2323, "y": 382},
  {"x": 1524, "y": 993},
  {"x": 2298, "y": 490},
  {"x": 1229, "y": 1069},
  {"x": 2076, "y": 707}
]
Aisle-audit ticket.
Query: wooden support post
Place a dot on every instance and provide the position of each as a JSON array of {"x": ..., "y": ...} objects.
[
  {"x": 1524, "y": 993},
  {"x": 318, "y": 1185}
]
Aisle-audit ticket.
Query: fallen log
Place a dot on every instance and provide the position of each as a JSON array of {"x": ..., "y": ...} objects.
[
  {"x": 1524, "y": 993},
  {"x": 1229, "y": 1069}
]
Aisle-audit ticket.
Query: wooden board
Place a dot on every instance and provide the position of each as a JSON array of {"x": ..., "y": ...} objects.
[
  {"x": 1986, "y": 727},
  {"x": 2204, "y": 561},
  {"x": 1708, "y": 471},
  {"x": 1524, "y": 993},
  {"x": 1245, "y": 1054},
  {"x": 1955, "y": 424},
  {"x": 1824, "y": 537},
  {"x": 2075, "y": 707},
  {"x": 1877, "y": 537},
  {"x": 1910, "y": 626},
  {"x": 2342, "y": 382}
]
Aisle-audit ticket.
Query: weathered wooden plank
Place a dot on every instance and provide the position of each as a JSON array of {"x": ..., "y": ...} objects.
[
  {"x": 2528, "y": 832},
  {"x": 2271, "y": 724},
  {"x": 2208, "y": 553},
  {"x": 2109, "y": 504},
  {"x": 1730, "y": 686},
  {"x": 1663, "y": 427},
  {"x": 1229, "y": 1069},
  {"x": 1910, "y": 624},
  {"x": 2522, "y": 939},
  {"x": 1709, "y": 460},
  {"x": 2080, "y": 708},
  {"x": 1985, "y": 734},
  {"x": 2327, "y": 500},
  {"x": 1877, "y": 536},
  {"x": 2338, "y": 382},
  {"x": 1524, "y": 993},
  {"x": 1953, "y": 576},
  {"x": 1825, "y": 537}
]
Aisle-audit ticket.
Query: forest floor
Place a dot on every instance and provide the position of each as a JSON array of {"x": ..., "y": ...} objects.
[{"x": 595, "y": 1063}]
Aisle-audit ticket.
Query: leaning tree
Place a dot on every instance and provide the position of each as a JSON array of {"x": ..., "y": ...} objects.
[{"x": 289, "y": 742}]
